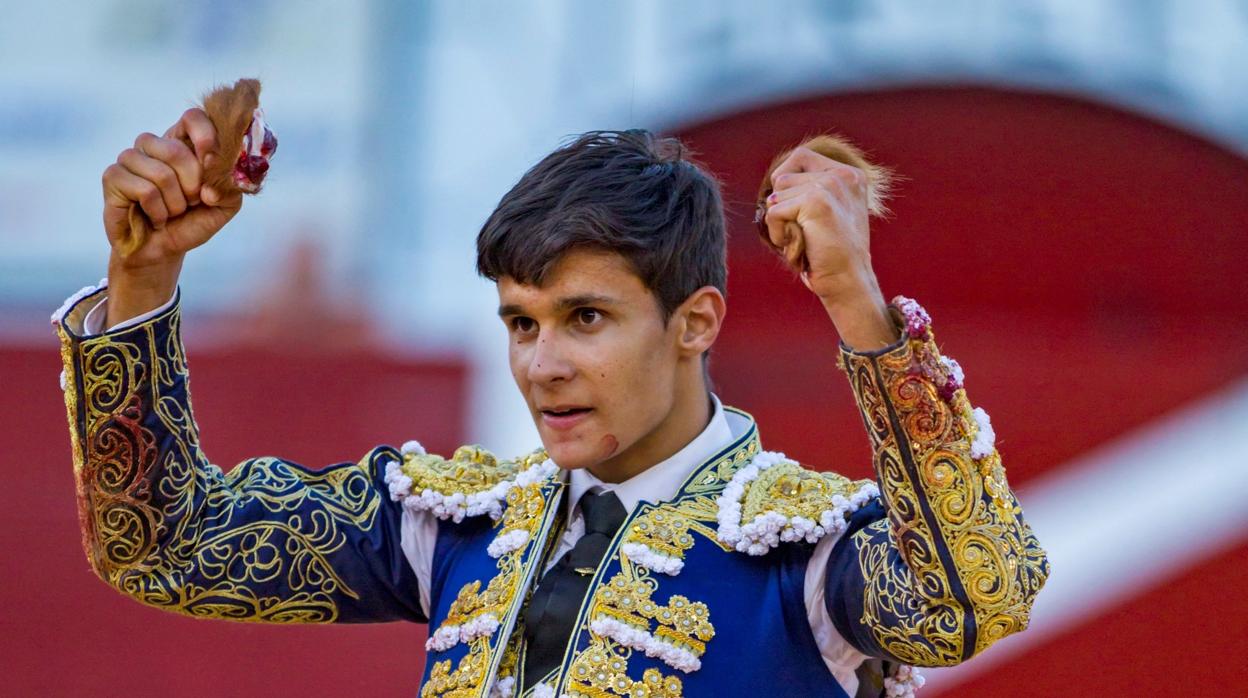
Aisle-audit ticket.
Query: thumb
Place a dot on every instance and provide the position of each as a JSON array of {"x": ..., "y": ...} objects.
[{"x": 205, "y": 220}]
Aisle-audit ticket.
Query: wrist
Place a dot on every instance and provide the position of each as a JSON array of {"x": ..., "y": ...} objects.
[
  {"x": 861, "y": 316},
  {"x": 133, "y": 291}
]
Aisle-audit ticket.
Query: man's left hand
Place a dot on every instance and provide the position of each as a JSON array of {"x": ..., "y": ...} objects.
[{"x": 818, "y": 214}]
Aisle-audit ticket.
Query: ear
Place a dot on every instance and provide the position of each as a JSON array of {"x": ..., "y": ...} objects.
[{"x": 698, "y": 319}]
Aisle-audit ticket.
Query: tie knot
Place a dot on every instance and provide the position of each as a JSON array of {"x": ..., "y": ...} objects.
[{"x": 603, "y": 513}]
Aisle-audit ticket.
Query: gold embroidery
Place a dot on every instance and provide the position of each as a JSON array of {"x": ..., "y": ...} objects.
[
  {"x": 682, "y": 623},
  {"x": 665, "y": 529},
  {"x": 526, "y": 511},
  {"x": 915, "y": 604},
  {"x": 681, "y": 627},
  {"x": 469, "y": 470},
  {"x": 601, "y": 672},
  {"x": 467, "y": 678},
  {"x": 711, "y": 480},
  {"x": 791, "y": 490},
  {"x": 165, "y": 528}
]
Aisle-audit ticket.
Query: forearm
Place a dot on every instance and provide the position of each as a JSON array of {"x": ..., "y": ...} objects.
[
  {"x": 135, "y": 291},
  {"x": 135, "y": 443},
  {"x": 954, "y": 567},
  {"x": 860, "y": 314}
]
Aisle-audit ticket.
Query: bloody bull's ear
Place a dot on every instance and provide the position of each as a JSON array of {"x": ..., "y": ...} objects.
[
  {"x": 244, "y": 146},
  {"x": 879, "y": 179}
]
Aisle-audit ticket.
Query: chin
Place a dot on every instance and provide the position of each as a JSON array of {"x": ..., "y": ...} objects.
[{"x": 570, "y": 456}]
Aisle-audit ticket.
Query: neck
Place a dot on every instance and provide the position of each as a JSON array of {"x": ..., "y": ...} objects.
[{"x": 690, "y": 414}]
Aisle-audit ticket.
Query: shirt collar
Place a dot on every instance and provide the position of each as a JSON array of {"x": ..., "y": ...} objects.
[{"x": 662, "y": 480}]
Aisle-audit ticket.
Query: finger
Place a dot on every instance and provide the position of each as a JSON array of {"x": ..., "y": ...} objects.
[
  {"x": 783, "y": 212},
  {"x": 178, "y": 156},
  {"x": 786, "y": 205},
  {"x": 196, "y": 127},
  {"x": 158, "y": 173},
  {"x": 777, "y": 216},
  {"x": 786, "y": 234},
  {"x": 814, "y": 186},
  {"x": 790, "y": 180},
  {"x": 795, "y": 251},
  {"x": 209, "y": 221},
  {"x": 837, "y": 177},
  {"x": 803, "y": 160},
  {"x": 122, "y": 188}
]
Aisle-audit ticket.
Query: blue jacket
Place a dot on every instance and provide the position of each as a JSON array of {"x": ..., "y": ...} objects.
[{"x": 699, "y": 595}]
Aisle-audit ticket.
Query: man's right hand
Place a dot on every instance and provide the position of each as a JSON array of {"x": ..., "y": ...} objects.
[{"x": 163, "y": 175}]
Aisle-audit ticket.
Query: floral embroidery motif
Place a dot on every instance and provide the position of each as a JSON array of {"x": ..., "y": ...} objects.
[
  {"x": 658, "y": 539},
  {"x": 464, "y": 682},
  {"x": 622, "y": 610},
  {"x": 601, "y": 671}
]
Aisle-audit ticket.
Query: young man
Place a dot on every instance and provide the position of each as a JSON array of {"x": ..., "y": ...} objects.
[{"x": 650, "y": 547}]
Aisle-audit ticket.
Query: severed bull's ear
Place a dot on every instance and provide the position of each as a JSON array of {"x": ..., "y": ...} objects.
[
  {"x": 244, "y": 141},
  {"x": 879, "y": 179},
  {"x": 244, "y": 146}
]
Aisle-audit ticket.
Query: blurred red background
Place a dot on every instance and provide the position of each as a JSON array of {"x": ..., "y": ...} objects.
[{"x": 1083, "y": 264}]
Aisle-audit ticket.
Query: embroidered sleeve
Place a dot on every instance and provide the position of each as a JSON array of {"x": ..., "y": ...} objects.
[
  {"x": 270, "y": 541},
  {"x": 952, "y": 566}
]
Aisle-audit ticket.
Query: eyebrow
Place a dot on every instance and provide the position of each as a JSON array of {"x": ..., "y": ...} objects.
[{"x": 564, "y": 304}]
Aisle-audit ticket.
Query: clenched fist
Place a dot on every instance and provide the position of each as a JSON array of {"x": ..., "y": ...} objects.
[
  {"x": 168, "y": 195},
  {"x": 164, "y": 176},
  {"x": 814, "y": 209}
]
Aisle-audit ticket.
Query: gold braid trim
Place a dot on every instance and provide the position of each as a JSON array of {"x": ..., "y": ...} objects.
[
  {"x": 954, "y": 567},
  {"x": 792, "y": 490},
  {"x": 471, "y": 469}
]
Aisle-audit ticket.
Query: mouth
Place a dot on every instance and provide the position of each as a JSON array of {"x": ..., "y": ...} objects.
[
  {"x": 563, "y": 417},
  {"x": 259, "y": 144}
]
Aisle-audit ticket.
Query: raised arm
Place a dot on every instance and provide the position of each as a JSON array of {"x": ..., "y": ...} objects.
[
  {"x": 947, "y": 566},
  {"x": 952, "y": 567},
  {"x": 270, "y": 541}
]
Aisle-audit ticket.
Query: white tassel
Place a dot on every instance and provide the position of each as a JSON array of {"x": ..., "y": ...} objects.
[
  {"x": 651, "y": 559},
  {"x": 507, "y": 542},
  {"x": 985, "y": 438},
  {"x": 904, "y": 682},
  {"x": 412, "y": 447},
  {"x": 642, "y": 641},
  {"x": 503, "y": 688}
]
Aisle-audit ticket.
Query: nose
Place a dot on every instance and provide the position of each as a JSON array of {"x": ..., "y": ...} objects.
[{"x": 549, "y": 362}]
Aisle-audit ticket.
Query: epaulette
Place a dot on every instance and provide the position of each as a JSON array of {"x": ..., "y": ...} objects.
[
  {"x": 469, "y": 483},
  {"x": 782, "y": 502}
]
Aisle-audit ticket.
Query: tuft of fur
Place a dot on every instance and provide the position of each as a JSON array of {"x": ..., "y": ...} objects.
[
  {"x": 879, "y": 185},
  {"x": 230, "y": 108}
]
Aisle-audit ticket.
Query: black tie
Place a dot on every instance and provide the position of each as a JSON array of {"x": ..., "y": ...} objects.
[{"x": 556, "y": 602}]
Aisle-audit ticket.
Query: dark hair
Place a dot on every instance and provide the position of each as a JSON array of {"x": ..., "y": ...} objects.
[{"x": 621, "y": 191}]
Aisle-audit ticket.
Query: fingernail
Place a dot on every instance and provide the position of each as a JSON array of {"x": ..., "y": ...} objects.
[
  {"x": 772, "y": 198},
  {"x": 210, "y": 160},
  {"x": 208, "y": 195}
]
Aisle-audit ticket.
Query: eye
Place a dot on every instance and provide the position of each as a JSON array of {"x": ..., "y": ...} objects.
[
  {"x": 523, "y": 325},
  {"x": 588, "y": 316}
]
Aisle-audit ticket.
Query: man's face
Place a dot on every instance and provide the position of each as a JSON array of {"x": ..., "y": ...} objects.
[{"x": 593, "y": 358}]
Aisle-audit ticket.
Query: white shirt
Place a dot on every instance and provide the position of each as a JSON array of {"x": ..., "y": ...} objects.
[{"x": 660, "y": 482}]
